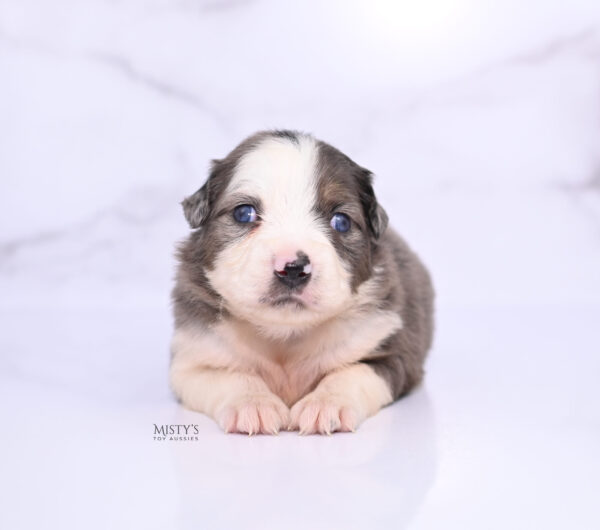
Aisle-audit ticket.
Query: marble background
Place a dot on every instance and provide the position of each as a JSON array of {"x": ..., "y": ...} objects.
[{"x": 481, "y": 122}]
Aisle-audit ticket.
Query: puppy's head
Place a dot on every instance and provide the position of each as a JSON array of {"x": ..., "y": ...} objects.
[{"x": 287, "y": 226}]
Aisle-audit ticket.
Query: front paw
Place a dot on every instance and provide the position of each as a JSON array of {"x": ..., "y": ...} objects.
[
  {"x": 253, "y": 414},
  {"x": 324, "y": 413}
]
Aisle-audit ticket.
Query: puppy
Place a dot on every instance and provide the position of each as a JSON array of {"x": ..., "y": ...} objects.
[{"x": 296, "y": 307}]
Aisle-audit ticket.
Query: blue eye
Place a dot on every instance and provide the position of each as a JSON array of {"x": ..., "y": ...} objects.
[
  {"x": 340, "y": 222},
  {"x": 245, "y": 213}
]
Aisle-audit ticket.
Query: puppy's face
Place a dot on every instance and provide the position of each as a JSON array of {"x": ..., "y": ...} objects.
[{"x": 287, "y": 227}]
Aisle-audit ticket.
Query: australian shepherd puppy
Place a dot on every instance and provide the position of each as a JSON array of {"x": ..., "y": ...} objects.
[{"x": 296, "y": 306}]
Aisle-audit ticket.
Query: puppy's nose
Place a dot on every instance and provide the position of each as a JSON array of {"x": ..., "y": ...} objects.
[{"x": 294, "y": 273}]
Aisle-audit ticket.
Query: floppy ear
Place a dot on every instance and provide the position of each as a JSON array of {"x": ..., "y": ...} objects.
[
  {"x": 377, "y": 219},
  {"x": 196, "y": 207}
]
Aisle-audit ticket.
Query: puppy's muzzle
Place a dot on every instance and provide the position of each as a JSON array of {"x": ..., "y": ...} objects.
[{"x": 295, "y": 273}]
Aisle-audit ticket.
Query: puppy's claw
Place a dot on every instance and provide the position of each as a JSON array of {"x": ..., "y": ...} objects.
[
  {"x": 321, "y": 413},
  {"x": 254, "y": 414}
]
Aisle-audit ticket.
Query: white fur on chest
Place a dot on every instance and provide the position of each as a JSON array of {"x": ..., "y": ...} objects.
[{"x": 290, "y": 368}]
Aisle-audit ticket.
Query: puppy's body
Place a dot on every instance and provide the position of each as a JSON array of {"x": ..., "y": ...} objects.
[{"x": 293, "y": 309}]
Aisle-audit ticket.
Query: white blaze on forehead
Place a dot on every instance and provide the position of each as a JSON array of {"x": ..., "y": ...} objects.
[{"x": 280, "y": 173}]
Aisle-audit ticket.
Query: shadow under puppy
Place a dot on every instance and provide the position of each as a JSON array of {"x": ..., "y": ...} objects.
[{"x": 296, "y": 307}]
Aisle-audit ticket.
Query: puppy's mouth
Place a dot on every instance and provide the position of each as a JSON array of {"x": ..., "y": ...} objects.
[{"x": 285, "y": 301}]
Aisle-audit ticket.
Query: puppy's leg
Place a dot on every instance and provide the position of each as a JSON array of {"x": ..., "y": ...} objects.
[
  {"x": 341, "y": 401},
  {"x": 203, "y": 376},
  {"x": 238, "y": 402}
]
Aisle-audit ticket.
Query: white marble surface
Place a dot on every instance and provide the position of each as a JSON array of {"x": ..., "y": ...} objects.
[{"x": 481, "y": 121}]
